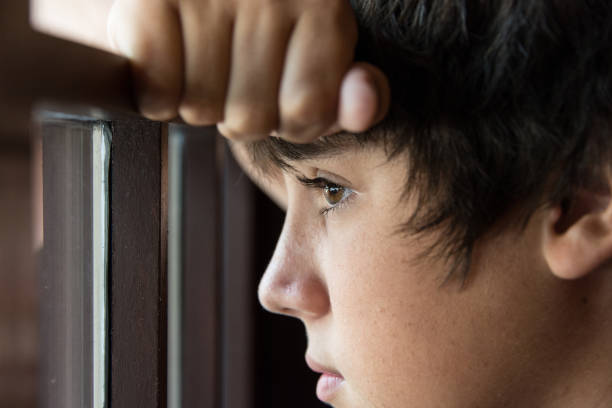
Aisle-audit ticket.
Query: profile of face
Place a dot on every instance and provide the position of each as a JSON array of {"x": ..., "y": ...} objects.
[{"x": 386, "y": 330}]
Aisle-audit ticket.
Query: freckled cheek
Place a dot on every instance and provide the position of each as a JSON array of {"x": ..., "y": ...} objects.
[
  {"x": 374, "y": 336},
  {"x": 386, "y": 316},
  {"x": 370, "y": 289}
]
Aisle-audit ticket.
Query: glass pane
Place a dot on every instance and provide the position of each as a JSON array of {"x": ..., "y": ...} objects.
[
  {"x": 100, "y": 225},
  {"x": 73, "y": 267},
  {"x": 175, "y": 266}
]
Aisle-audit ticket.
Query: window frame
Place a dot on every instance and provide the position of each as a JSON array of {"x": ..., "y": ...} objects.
[{"x": 41, "y": 73}]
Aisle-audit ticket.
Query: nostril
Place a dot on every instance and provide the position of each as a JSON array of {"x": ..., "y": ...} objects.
[{"x": 289, "y": 312}]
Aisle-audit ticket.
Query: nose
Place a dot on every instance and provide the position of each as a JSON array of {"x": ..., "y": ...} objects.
[{"x": 292, "y": 284}]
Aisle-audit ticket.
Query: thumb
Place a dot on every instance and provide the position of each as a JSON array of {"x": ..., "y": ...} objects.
[{"x": 364, "y": 98}]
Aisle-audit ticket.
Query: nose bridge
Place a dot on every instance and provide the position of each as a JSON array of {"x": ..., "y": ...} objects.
[{"x": 292, "y": 284}]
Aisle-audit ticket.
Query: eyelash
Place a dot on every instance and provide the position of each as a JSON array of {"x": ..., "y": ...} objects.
[{"x": 321, "y": 183}]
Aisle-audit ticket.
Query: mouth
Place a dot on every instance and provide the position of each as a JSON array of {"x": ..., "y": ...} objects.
[{"x": 330, "y": 381}]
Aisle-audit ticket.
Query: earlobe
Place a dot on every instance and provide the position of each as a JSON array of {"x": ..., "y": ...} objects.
[{"x": 579, "y": 242}]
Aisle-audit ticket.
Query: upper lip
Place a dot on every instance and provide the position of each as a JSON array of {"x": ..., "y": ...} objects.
[{"x": 320, "y": 368}]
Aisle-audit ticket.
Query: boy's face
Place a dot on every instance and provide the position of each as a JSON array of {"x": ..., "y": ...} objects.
[{"x": 377, "y": 314}]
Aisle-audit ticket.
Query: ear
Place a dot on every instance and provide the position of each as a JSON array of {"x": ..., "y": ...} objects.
[{"x": 578, "y": 241}]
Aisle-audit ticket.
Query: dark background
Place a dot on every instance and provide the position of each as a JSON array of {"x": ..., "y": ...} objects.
[{"x": 282, "y": 378}]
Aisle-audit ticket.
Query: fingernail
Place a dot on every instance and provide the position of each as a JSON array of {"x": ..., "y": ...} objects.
[{"x": 358, "y": 102}]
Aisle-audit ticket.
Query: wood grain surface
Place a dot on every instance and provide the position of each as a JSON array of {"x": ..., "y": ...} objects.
[{"x": 137, "y": 276}]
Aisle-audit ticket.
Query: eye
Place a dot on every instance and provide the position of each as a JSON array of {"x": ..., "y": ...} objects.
[
  {"x": 334, "y": 194},
  {"x": 337, "y": 196}
]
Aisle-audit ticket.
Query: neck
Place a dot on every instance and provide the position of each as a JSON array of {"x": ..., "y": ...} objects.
[{"x": 583, "y": 376}]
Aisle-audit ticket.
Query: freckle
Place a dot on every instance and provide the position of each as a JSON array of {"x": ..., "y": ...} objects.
[{"x": 584, "y": 300}]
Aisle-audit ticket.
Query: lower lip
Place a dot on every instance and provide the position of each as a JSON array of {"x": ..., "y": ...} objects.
[{"x": 327, "y": 386}]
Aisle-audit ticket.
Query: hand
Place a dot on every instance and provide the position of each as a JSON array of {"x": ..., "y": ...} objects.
[{"x": 253, "y": 67}]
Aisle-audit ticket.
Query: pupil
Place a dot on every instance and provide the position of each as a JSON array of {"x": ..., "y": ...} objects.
[{"x": 333, "y": 194}]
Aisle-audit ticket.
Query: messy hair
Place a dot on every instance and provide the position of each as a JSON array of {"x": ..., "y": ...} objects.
[{"x": 499, "y": 104}]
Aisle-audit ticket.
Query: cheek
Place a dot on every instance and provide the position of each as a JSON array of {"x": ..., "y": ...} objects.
[
  {"x": 384, "y": 317},
  {"x": 403, "y": 340}
]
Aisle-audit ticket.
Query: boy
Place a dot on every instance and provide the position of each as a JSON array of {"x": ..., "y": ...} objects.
[{"x": 457, "y": 253}]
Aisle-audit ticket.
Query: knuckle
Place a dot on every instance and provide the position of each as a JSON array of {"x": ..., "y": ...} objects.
[
  {"x": 156, "y": 102},
  {"x": 158, "y": 112},
  {"x": 249, "y": 120},
  {"x": 157, "y": 98},
  {"x": 200, "y": 112},
  {"x": 309, "y": 108},
  {"x": 227, "y": 133},
  {"x": 236, "y": 136}
]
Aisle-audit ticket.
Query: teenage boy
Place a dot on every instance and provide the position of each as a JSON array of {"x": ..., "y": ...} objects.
[{"x": 459, "y": 252}]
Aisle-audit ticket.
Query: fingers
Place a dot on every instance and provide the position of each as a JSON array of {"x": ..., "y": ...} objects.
[
  {"x": 258, "y": 55},
  {"x": 155, "y": 50},
  {"x": 256, "y": 67},
  {"x": 364, "y": 98},
  {"x": 207, "y": 38},
  {"x": 313, "y": 73}
]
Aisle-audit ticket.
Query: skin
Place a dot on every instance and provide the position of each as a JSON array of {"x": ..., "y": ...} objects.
[
  {"x": 515, "y": 335},
  {"x": 76, "y": 20}
]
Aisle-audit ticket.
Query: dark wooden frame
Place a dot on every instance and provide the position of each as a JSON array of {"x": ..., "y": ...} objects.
[
  {"x": 48, "y": 74},
  {"x": 137, "y": 273}
]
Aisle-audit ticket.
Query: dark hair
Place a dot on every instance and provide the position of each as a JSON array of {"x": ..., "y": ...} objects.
[{"x": 499, "y": 103}]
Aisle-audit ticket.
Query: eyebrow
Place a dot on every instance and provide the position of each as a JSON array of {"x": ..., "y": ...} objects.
[{"x": 280, "y": 153}]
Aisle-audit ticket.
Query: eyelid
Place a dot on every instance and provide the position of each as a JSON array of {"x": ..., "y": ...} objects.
[
  {"x": 324, "y": 178},
  {"x": 321, "y": 182},
  {"x": 334, "y": 178},
  {"x": 318, "y": 182}
]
